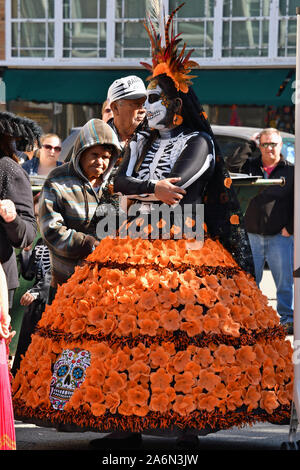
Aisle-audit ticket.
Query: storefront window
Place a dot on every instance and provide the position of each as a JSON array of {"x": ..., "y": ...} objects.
[
  {"x": 131, "y": 39},
  {"x": 33, "y": 38},
  {"x": 195, "y": 22},
  {"x": 287, "y": 28},
  {"x": 84, "y": 28},
  {"x": 245, "y": 28},
  {"x": 220, "y": 31}
]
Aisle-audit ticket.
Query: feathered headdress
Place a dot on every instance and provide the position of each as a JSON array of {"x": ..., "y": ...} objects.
[{"x": 166, "y": 59}]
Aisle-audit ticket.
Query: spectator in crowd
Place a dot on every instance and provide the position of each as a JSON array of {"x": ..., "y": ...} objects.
[
  {"x": 34, "y": 265},
  {"x": 107, "y": 113},
  {"x": 17, "y": 222},
  {"x": 269, "y": 217},
  {"x": 126, "y": 97},
  {"x": 47, "y": 156},
  {"x": 71, "y": 199}
]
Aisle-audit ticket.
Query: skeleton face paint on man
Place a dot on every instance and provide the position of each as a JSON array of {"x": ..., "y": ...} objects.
[{"x": 157, "y": 106}]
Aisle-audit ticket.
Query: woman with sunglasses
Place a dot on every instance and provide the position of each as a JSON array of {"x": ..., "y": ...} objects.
[{"x": 46, "y": 157}]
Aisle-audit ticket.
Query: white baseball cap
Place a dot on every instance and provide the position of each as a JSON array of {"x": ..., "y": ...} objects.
[{"x": 128, "y": 88}]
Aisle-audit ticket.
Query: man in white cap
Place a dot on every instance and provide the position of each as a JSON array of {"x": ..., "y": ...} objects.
[{"x": 126, "y": 97}]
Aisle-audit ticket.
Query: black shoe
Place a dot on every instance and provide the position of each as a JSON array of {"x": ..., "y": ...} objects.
[
  {"x": 116, "y": 440},
  {"x": 289, "y": 328}
]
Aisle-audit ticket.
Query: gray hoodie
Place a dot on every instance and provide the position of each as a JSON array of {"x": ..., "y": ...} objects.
[{"x": 69, "y": 206}]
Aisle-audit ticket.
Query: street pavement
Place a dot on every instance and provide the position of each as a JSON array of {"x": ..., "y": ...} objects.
[{"x": 258, "y": 437}]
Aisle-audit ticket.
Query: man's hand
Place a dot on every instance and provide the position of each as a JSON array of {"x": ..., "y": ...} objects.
[
  {"x": 26, "y": 299},
  {"x": 167, "y": 192},
  {"x": 285, "y": 233},
  {"x": 8, "y": 210}
]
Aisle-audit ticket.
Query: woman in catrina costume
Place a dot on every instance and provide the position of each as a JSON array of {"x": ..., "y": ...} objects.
[{"x": 155, "y": 334}]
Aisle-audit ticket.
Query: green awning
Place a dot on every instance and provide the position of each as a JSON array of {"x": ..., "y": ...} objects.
[{"x": 216, "y": 87}]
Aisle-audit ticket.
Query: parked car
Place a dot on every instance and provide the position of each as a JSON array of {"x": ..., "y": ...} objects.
[
  {"x": 67, "y": 145},
  {"x": 231, "y": 137},
  {"x": 228, "y": 137}
]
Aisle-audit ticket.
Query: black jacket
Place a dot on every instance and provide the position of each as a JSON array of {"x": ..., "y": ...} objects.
[
  {"x": 273, "y": 208},
  {"x": 15, "y": 185}
]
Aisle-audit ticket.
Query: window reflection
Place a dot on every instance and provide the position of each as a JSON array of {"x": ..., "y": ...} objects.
[
  {"x": 84, "y": 29},
  {"x": 32, "y": 39},
  {"x": 245, "y": 28}
]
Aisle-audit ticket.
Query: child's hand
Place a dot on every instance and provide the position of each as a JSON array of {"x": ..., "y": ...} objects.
[
  {"x": 8, "y": 210},
  {"x": 26, "y": 299}
]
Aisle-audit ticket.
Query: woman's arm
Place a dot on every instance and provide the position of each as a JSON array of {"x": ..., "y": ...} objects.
[
  {"x": 196, "y": 158},
  {"x": 4, "y": 316}
]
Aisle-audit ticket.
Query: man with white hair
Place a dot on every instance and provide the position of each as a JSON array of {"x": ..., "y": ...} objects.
[
  {"x": 269, "y": 217},
  {"x": 126, "y": 97}
]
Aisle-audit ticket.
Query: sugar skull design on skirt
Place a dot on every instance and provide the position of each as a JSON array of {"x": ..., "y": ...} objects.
[{"x": 68, "y": 375}]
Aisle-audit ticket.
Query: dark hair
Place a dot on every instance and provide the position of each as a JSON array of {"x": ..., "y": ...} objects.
[{"x": 17, "y": 133}]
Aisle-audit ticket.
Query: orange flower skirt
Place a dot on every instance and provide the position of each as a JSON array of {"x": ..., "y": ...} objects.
[{"x": 151, "y": 335}]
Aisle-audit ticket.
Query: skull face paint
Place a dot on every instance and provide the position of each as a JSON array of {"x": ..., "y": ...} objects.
[
  {"x": 157, "y": 105},
  {"x": 68, "y": 374}
]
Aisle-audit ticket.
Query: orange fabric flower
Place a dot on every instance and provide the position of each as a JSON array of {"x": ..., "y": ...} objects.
[
  {"x": 171, "y": 320},
  {"x": 211, "y": 281},
  {"x": 159, "y": 357},
  {"x": 138, "y": 396},
  {"x": 234, "y": 219},
  {"x": 206, "y": 297},
  {"x": 184, "y": 404},
  {"x": 160, "y": 379},
  {"x": 245, "y": 355},
  {"x": 112, "y": 401},
  {"x": 210, "y": 324},
  {"x": 94, "y": 394},
  {"x": 98, "y": 409},
  {"x": 253, "y": 374},
  {"x": 127, "y": 324},
  {"x": 180, "y": 360},
  {"x": 137, "y": 370},
  {"x": 269, "y": 401},
  {"x": 95, "y": 315},
  {"x": 115, "y": 381},
  {"x": 77, "y": 327},
  {"x": 148, "y": 326},
  {"x": 204, "y": 357},
  {"x": 227, "y": 182},
  {"x": 234, "y": 400},
  {"x": 192, "y": 328},
  {"x": 184, "y": 382},
  {"x": 252, "y": 398},
  {"x": 159, "y": 402},
  {"x": 207, "y": 402},
  {"x": 208, "y": 380},
  {"x": 148, "y": 300},
  {"x": 268, "y": 377},
  {"x": 225, "y": 354}
]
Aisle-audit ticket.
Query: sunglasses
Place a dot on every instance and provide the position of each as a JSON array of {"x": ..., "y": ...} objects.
[
  {"x": 269, "y": 144},
  {"x": 50, "y": 147}
]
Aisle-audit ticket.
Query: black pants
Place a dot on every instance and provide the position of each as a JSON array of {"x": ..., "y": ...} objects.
[{"x": 31, "y": 317}]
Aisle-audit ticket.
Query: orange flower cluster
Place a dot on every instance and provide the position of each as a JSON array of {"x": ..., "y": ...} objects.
[
  {"x": 147, "y": 301},
  {"x": 162, "y": 252},
  {"x": 160, "y": 379},
  {"x": 135, "y": 295}
]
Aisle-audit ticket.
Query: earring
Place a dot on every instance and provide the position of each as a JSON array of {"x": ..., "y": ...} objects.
[{"x": 177, "y": 119}]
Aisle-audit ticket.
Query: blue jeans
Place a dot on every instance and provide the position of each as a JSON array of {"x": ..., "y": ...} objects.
[{"x": 278, "y": 251}]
